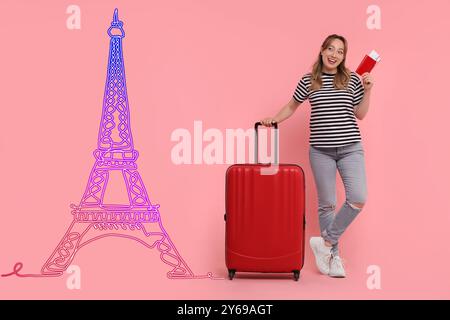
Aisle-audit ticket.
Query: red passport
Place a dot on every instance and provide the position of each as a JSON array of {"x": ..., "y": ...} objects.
[{"x": 369, "y": 61}]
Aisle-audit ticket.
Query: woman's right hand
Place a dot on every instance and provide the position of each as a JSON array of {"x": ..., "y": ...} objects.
[{"x": 267, "y": 122}]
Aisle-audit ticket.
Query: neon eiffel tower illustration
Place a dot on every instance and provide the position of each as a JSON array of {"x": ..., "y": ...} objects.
[{"x": 93, "y": 219}]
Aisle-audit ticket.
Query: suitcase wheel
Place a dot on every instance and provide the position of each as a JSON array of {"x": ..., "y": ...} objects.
[
  {"x": 231, "y": 273},
  {"x": 296, "y": 274}
]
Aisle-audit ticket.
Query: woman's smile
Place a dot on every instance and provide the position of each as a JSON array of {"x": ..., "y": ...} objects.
[{"x": 332, "y": 61}]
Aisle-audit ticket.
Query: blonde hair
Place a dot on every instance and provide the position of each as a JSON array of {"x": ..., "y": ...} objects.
[{"x": 342, "y": 76}]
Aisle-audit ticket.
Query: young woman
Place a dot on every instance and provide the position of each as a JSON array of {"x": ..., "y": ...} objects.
[{"x": 337, "y": 98}]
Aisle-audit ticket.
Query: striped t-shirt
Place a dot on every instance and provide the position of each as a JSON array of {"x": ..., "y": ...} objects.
[{"x": 333, "y": 122}]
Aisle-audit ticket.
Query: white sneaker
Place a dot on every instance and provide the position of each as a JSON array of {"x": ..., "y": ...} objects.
[
  {"x": 337, "y": 268},
  {"x": 322, "y": 254}
]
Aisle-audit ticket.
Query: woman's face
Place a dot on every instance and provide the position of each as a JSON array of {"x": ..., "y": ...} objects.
[{"x": 333, "y": 55}]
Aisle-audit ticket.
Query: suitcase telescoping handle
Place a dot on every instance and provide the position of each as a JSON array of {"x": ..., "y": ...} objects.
[{"x": 275, "y": 125}]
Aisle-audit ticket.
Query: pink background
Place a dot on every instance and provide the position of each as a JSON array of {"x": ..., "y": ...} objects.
[{"x": 228, "y": 64}]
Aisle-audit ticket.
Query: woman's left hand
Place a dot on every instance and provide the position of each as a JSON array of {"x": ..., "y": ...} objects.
[{"x": 367, "y": 81}]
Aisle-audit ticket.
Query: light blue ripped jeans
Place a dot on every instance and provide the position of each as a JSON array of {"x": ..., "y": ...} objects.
[{"x": 349, "y": 161}]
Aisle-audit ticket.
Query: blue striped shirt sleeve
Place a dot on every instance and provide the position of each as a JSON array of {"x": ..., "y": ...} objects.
[
  {"x": 302, "y": 91},
  {"x": 358, "y": 91}
]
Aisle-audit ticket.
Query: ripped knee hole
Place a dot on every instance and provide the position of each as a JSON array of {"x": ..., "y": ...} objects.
[{"x": 356, "y": 205}]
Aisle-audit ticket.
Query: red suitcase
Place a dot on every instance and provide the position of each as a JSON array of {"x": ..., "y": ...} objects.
[{"x": 265, "y": 217}]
